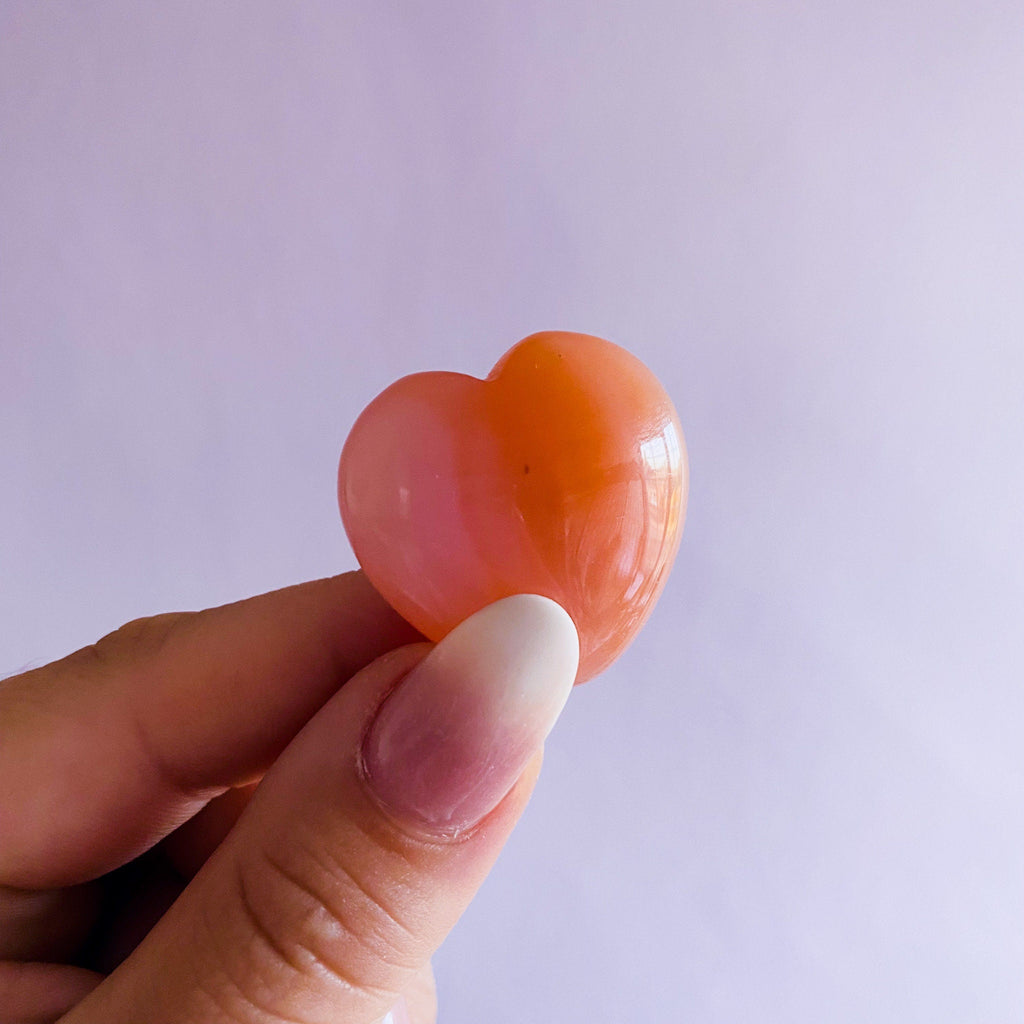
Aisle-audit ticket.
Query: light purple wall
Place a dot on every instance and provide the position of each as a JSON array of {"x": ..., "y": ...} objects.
[{"x": 225, "y": 226}]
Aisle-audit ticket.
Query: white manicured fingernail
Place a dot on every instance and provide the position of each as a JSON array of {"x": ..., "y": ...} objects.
[{"x": 459, "y": 730}]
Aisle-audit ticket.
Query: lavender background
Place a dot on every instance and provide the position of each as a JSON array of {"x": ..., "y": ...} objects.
[{"x": 225, "y": 226}]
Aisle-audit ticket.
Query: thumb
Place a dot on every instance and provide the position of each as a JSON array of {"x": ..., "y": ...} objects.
[{"x": 365, "y": 841}]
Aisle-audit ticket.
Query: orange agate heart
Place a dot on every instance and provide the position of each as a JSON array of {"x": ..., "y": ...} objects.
[{"x": 564, "y": 474}]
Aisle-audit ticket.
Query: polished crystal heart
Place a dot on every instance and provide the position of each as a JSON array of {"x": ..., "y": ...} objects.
[{"x": 564, "y": 473}]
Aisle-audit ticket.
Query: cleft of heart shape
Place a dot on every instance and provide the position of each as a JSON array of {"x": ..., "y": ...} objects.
[{"x": 564, "y": 474}]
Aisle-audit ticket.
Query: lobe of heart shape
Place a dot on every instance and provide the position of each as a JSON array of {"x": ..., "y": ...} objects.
[{"x": 564, "y": 474}]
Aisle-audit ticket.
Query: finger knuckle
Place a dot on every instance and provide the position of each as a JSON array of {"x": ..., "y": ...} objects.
[
  {"x": 139, "y": 638},
  {"x": 313, "y": 916}
]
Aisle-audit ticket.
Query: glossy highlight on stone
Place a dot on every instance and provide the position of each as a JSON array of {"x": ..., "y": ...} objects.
[{"x": 563, "y": 474}]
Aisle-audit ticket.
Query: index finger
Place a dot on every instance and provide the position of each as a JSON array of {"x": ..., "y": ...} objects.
[{"x": 105, "y": 752}]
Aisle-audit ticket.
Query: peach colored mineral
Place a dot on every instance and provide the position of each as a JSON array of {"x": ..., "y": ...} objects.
[{"x": 564, "y": 473}]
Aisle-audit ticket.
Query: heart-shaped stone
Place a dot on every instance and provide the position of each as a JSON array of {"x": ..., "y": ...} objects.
[{"x": 564, "y": 474}]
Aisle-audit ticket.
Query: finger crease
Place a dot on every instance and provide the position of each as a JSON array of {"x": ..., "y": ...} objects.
[
  {"x": 259, "y": 926},
  {"x": 229, "y": 1008},
  {"x": 169, "y": 775},
  {"x": 334, "y": 967},
  {"x": 333, "y": 868}
]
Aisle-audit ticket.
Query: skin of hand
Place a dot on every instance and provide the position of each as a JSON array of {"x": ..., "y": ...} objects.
[{"x": 270, "y": 811}]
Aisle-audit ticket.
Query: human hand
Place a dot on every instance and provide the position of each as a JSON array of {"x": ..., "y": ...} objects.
[{"x": 388, "y": 788}]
